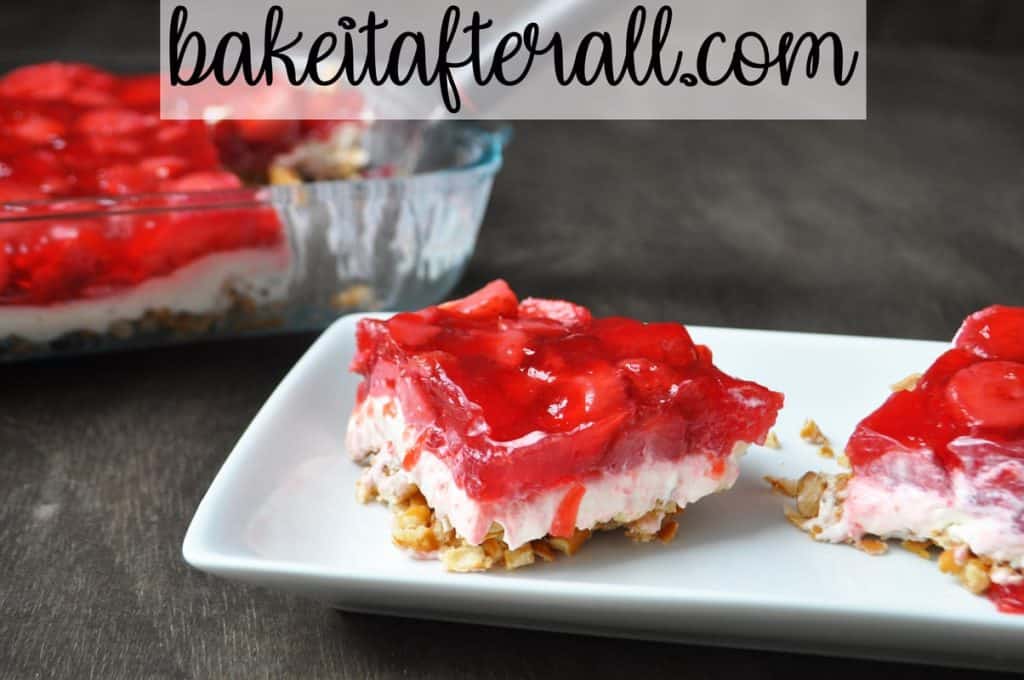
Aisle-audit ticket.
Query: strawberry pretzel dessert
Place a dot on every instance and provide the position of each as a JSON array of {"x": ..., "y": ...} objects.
[
  {"x": 501, "y": 431},
  {"x": 940, "y": 465},
  {"x": 113, "y": 220}
]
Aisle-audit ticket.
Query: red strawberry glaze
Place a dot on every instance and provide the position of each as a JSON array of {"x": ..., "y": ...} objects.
[
  {"x": 70, "y": 130},
  {"x": 517, "y": 398},
  {"x": 974, "y": 390},
  {"x": 565, "y": 517},
  {"x": 1007, "y": 598}
]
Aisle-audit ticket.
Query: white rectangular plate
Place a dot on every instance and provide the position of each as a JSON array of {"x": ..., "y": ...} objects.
[{"x": 282, "y": 513}]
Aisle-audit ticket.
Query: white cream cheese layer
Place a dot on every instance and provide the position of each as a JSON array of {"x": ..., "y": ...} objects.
[
  {"x": 888, "y": 503},
  {"x": 378, "y": 427},
  {"x": 201, "y": 287}
]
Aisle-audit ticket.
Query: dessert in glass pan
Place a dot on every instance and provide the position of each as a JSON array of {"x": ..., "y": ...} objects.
[{"x": 116, "y": 224}]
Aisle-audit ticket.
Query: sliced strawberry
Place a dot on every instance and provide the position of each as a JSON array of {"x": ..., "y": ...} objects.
[
  {"x": 56, "y": 185},
  {"x": 505, "y": 348},
  {"x": 34, "y": 164},
  {"x": 11, "y": 146},
  {"x": 89, "y": 98},
  {"x": 673, "y": 341},
  {"x": 125, "y": 179},
  {"x": 172, "y": 132},
  {"x": 493, "y": 300},
  {"x": 268, "y": 130},
  {"x": 114, "y": 121},
  {"x": 113, "y": 145},
  {"x": 44, "y": 169},
  {"x": 989, "y": 394},
  {"x": 570, "y": 315},
  {"x": 163, "y": 167},
  {"x": 627, "y": 338},
  {"x": 996, "y": 332},
  {"x": 538, "y": 328},
  {"x": 518, "y": 387},
  {"x": 37, "y": 129},
  {"x": 410, "y": 330},
  {"x": 5, "y": 269},
  {"x": 140, "y": 91},
  {"x": 13, "y": 190},
  {"x": 52, "y": 80},
  {"x": 583, "y": 397},
  {"x": 652, "y": 382},
  {"x": 202, "y": 181}
]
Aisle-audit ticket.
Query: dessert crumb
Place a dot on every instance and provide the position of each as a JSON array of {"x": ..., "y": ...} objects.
[
  {"x": 872, "y": 546},
  {"x": 826, "y": 452},
  {"x": 772, "y": 441},
  {"x": 786, "y": 487},
  {"x": 812, "y": 434},
  {"x": 907, "y": 384},
  {"x": 354, "y": 297},
  {"x": 920, "y": 548}
]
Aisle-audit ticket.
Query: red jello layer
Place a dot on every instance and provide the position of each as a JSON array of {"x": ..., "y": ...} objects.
[
  {"x": 975, "y": 391},
  {"x": 522, "y": 397},
  {"x": 1007, "y": 598},
  {"x": 70, "y": 130}
]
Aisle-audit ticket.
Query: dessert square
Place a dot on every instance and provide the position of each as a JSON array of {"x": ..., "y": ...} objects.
[
  {"x": 940, "y": 465},
  {"x": 500, "y": 431}
]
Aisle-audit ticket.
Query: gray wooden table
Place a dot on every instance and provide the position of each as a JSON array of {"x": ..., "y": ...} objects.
[{"x": 896, "y": 226}]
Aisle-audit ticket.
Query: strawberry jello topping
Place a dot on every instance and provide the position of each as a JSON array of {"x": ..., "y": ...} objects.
[
  {"x": 960, "y": 431},
  {"x": 975, "y": 390},
  {"x": 522, "y": 397},
  {"x": 71, "y": 131}
]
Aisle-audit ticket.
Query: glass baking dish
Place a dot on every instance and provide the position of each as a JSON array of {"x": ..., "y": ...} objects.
[{"x": 313, "y": 250}]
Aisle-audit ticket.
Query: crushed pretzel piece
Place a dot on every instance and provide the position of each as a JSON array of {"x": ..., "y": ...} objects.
[
  {"x": 772, "y": 441},
  {"x": 495, "y": 531},
  {"x": 466, "y": 558},
  {"x": 794, "y": 517},
  {"x": 975, "y": 576},
  {"x": 416, "y": 498},
  {"x": 442, "y": 531},
  {"x": 520, "y": 557},
  {"x": 365, "y": 492},
  {"x": 415, "y": 515},
  {"x": 948, "y": 563},
  {"x": 843, "y": 461},
  {"x": 494, "y": 548},
  {"x": 669, "y": 529},
  {"x": 571, "y": 545},
  {"x": 357, "y": 296},
  {"x": 786, "y": 487},
  {"x": 417, "y": 538},
  {"x": 872, "y": 546},
  {"x": 907, "y": 384},
  {"x": 809, "y": 491},
  {"x": 826, "y": 452},
  {"x": 282, "y": 174},
  {"x": 920, "y": 548},
  {"x": 542, "y": 550},
  {"x": 812, "y": 434}
]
